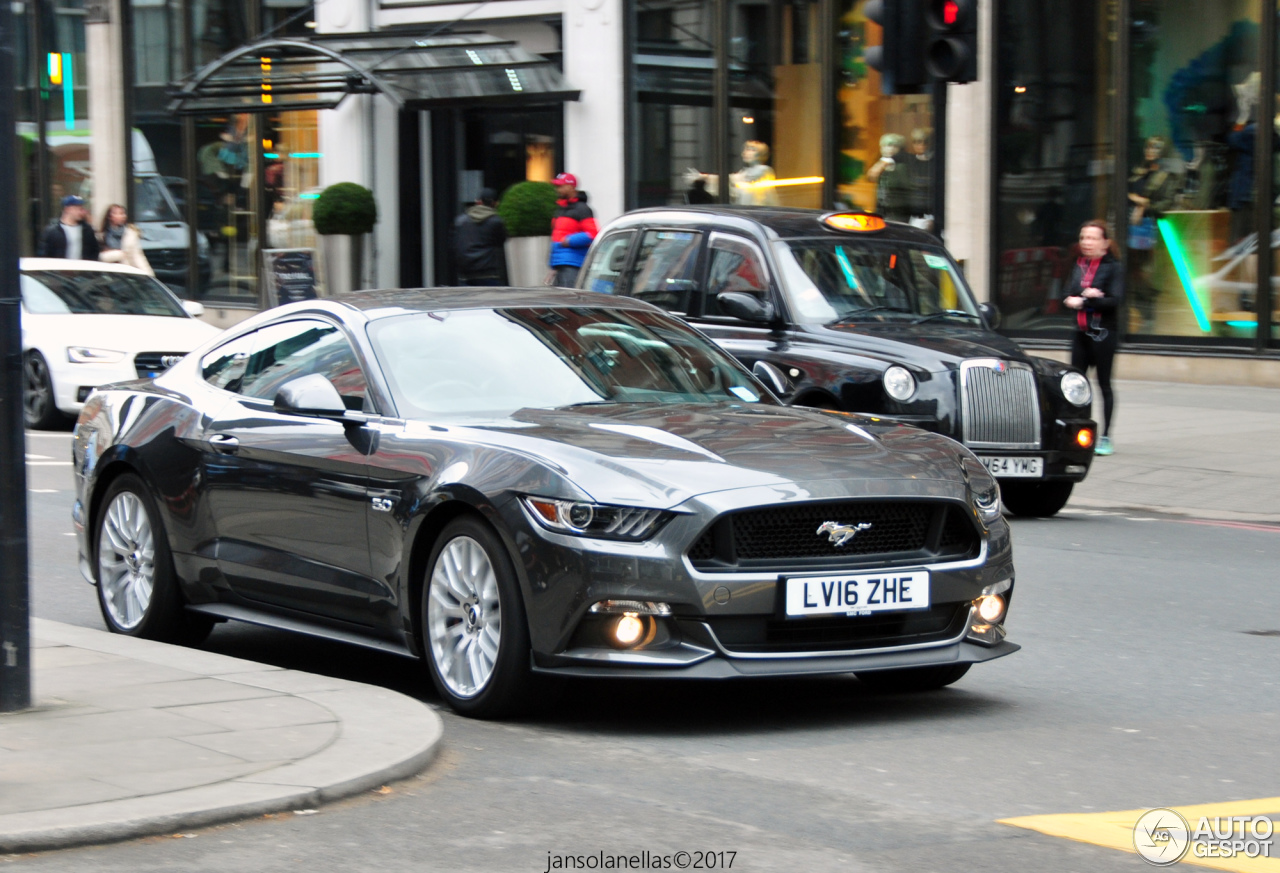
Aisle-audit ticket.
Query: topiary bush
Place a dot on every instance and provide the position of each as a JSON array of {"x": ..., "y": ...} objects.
[
  {"x": 526, "y": 208},
  {"x": 345, "y": 208}
]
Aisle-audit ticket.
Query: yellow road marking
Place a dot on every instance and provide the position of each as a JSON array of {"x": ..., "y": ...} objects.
[{"x": 1114, "y": 830}]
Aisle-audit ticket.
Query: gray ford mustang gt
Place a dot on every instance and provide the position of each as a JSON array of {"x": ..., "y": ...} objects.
[{"x": 508, "y": 483}]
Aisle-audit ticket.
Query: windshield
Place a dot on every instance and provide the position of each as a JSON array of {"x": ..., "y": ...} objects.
[
  {"x": 836, "y": 280},
  {"x": 152, "y": 200},
  {"x": 97, "y": 292},
  {"x": 491, "y": 363}
]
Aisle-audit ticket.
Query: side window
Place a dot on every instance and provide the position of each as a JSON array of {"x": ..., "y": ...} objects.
[
  {"x": 664, "y": 269},
  {"x": 607, "y": 263},
  {"x": 300, "y": 348},
  {"x": 224, "y": 366},
  {"x": 734, "y": 265}
]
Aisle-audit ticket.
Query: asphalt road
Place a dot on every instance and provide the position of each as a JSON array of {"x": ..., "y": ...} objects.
[{"x": 1148, "y": 678}]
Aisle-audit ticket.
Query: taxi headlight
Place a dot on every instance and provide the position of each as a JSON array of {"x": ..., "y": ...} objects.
[
  {"x": 899, "y": 383},
  {"x": 1075, "y": 388}
]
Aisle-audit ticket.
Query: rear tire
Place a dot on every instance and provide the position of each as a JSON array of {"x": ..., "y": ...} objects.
[
  {"x": 914, "y": 678},
  {"x": 39, "y": 409},
  {"x": 474, "y": 631},
  {"x": 137, "y": 585},
  {"x": 1035, "y": 499}
]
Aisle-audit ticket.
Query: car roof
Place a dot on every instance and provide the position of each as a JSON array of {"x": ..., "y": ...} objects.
[
  {"x": 782, "y": 221},
  {"x": 33, "y": 264},
  {"x": 389, "y": 302}
]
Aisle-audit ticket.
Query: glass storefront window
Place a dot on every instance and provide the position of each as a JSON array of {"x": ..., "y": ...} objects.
[
  {"x": 1055, "y": 150},
  {"x": 1193, "y": 121},
  {"x": 228, "y": 208},
  {"x": 885, "y": 143}
]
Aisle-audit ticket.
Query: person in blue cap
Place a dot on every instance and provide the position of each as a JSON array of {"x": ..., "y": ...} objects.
[{"x": 71, "y": 236}]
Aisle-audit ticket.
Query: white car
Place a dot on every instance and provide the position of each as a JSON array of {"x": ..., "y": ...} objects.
[{"x": 86, "y": 324}]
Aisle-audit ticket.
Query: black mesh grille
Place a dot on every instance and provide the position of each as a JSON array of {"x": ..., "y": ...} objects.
[
  {"x": 151, "y": 363},
  {"x": 167, "y": 260},
  {"x": 758, "y": 634},
  {"x": 789, "y": 536}
]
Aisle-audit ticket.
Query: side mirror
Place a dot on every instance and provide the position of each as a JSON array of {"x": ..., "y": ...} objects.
[
  {"x": 310, "y": 395},
  {"x": 193, "y": 308},
  {"x": 772, "y": 377},
  {"x": 990, "y": 314},
  {"x": 748, "y": 307}
]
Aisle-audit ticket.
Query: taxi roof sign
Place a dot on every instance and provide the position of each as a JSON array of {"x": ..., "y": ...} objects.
[{"x": 854, "y": 222}]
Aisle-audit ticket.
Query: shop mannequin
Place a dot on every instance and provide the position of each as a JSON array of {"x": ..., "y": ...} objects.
[
  {"x": 893, "y": 182},
  {"x": 747, "y": 186},
  {"x": 1152, "y": 188}
]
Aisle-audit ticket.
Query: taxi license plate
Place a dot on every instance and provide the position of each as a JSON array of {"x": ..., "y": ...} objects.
[
  {"x": 858, "y": 593},
  {"x": 1013, "y": 468}
]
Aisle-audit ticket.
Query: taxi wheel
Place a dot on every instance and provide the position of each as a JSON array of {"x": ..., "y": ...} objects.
[
  {"x": 914, "y": 678},
  {"x": 1035, "y": 499},
  {"x": 475, "y": 635}
]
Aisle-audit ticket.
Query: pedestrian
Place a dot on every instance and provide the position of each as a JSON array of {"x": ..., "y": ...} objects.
[
  {"x": 70, "y": 236},
  {"x": 1095, "y": 292},
  {"x": 121, "y": 241},
  {"x": 572, "y": 230},
  {"x": 478, "y": 236}
]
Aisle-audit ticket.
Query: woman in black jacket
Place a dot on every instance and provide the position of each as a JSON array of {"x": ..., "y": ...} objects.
[{"x": 1095, "y": 293}]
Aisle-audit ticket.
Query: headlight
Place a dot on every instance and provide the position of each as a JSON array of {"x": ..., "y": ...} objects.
[
  {"x": 899, "y": 383},
  {"x": 1075, "y": 388},
  {"x": 595, "y": 520},
  {"x": 83, "y": 355},
  {"x": 987, "y": 501}
]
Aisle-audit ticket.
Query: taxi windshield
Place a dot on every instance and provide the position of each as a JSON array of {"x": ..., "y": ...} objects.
[{"x": 837, "y": 280}]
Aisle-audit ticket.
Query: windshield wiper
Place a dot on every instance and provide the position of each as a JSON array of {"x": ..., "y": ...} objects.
[
  {"x": 943, "y": 314},
  {"x": 857, "y": 314}
]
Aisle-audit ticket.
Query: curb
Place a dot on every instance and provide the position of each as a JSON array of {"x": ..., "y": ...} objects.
[{"x": 383, "y": 736}]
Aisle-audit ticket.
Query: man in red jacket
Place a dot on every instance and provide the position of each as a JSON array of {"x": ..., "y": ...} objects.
[{"x": 572, "y": 230}]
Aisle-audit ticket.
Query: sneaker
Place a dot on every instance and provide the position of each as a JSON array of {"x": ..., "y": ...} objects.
[{"x": 1104, "y": 446}]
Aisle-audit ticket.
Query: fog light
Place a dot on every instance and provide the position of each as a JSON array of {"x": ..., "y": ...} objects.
[
  {"x": 990, "y": 608},
  {"x": 1084, "y": 438},
  {"x": 628, "y": 630}
]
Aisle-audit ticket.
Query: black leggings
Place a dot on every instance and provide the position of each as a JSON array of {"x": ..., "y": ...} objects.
[{"x": 1099, "y": 354}]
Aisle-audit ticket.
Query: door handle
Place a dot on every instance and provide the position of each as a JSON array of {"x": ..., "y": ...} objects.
[{"x": 227, "y": 445}]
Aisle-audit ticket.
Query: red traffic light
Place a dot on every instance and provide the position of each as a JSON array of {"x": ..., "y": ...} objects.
[{"x": 950, "y": 12}]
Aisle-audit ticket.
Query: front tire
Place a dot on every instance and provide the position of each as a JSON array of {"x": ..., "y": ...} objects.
[
  {"x": 914, "y": 678},
  {"x": 137, "y": 585},
  {"x": 39, "y": 409},
  {"x": 475, "y": 634},
  {"x": 1035, "y": 499}
]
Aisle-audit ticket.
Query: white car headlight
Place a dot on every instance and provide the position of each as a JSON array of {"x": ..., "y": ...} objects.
[
  {"x": 85, "y": 355},
  {"x": 899, "y": 383},
  {"x": 1075, "y": 388}
]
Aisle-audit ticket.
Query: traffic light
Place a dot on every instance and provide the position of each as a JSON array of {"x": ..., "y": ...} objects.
[
  {"x": 900, "y": 55},
  {"x": 951, "y": 40}
]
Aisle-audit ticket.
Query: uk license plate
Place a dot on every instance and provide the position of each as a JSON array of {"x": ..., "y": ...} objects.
[
  {"x": 1013, "y": 467},
  {"x": 857, "y": 593}
]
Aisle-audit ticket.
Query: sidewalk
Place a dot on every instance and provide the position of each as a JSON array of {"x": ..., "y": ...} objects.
[
  {"x": 1198, "y": 450},
  {"x": 131, "y": 738}
]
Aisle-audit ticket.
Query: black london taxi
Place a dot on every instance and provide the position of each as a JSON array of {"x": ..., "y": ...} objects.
[{"x": 847, "y": 311}]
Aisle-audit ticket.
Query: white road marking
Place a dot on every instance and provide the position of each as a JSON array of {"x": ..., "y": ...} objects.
[
  {"x": 43, "y": 490},
  {"x": 65, "y": 534},
  {"x": 31, "y": 457},
  {"x": 48, "y": 463}
]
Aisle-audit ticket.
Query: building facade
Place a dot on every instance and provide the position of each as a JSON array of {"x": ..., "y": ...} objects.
[{"x": 1143, "y": 112}]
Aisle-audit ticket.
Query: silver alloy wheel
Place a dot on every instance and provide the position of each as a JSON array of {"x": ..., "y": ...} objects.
[
  {"x": 464, "y": 616},
  {"x": 126, "y": 560},
  {"x": 37, "y": 395}
]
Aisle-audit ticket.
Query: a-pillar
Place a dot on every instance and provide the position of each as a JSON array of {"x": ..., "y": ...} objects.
[{"x": 104, "y": 51}]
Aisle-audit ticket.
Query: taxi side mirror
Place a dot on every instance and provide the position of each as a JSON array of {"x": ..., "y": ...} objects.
[{"x": 748, "y": 307}]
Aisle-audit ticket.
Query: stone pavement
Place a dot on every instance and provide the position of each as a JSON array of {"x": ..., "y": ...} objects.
[
  {"x": 1196, "y": 450},
  {"x": 131, "y": 737}
]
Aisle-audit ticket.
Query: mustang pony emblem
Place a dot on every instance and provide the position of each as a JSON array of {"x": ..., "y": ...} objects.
[{"x": 840, "y": 534}]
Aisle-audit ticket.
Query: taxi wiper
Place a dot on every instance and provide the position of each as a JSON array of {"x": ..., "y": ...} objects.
[
  {"x": 857, "y": 314},
  {"x": 943, "y": 314}
]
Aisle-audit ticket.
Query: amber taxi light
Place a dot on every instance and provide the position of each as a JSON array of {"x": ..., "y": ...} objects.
[
  {"x": 854, "y": 222},
  {"x": 1084, "y": 438}
]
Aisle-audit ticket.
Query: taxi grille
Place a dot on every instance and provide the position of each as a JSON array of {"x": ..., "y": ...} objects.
[
  {"x": 759, "y": 634},
  {"x": 787, "y": 537},
  {"x": 150, "y": 364},
  {"x": 1000, "y": 407}
]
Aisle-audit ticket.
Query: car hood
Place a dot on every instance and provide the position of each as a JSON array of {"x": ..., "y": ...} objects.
[
  {"x": 121, "y": 333},
  {"x": 662, "y": 455},
  {"x": 933, "y": 345}
]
